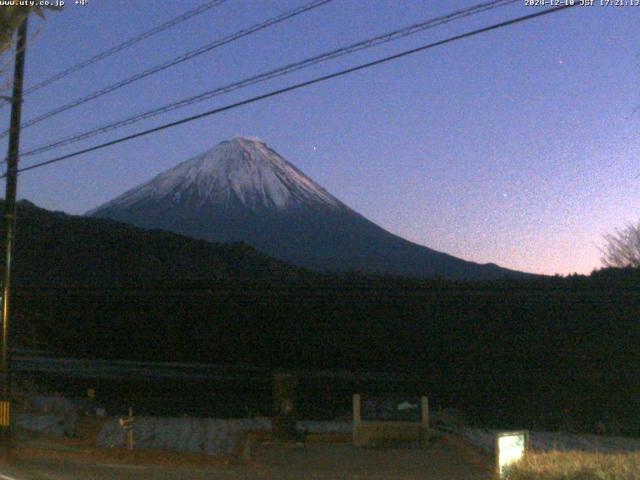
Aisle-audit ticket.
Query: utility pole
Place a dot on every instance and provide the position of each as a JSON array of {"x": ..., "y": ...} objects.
[{"x": 9, "y": 229}]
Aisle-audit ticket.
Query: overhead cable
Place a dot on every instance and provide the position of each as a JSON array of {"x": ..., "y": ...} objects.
[
  {"x": 284, "y": 70},
  {"x": 300, "y": 85},
  {"x": 124, "y": 45},
  {"x": 175, "y": 61}
]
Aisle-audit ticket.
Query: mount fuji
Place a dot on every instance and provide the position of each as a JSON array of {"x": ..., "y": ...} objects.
[{"x": 242, "y": 190}]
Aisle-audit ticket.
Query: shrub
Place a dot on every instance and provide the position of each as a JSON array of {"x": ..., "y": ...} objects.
[{"x": 577, "y": 466}]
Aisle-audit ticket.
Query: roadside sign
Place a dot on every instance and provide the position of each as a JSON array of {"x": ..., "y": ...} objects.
[
  {"x": 391, "y": 408},
  {"x": 127, "y": 425},
  {"x": 510, "y": 448}
]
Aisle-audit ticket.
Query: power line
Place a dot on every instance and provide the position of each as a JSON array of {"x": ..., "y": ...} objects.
[
  {"x": 287, "y": 69},
  {"x": 301, "y": 85},
  {"x": 175, "y": 61},
  {"x": 124, "y": 45}
]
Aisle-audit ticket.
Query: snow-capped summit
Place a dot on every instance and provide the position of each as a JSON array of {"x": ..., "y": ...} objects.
[
  {"x": 242, "y": 190},
  {"x": 242, "y": 171}
]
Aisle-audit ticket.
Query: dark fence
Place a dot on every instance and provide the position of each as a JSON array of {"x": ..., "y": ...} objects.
[{"x": 203, "y": 390}]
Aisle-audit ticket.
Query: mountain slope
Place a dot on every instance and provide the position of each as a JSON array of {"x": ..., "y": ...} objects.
[
  {"x": 242, "y": 190},
  {"x": 53, "y": 248}
]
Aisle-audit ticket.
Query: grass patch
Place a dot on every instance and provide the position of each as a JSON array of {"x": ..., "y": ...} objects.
[{"x": 577, "y": 466}]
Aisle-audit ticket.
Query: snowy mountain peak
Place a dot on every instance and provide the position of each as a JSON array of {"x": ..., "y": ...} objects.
[
  {"x": 242, "y": 190},
  {"x": 245, "y": 139},
  {"x": 242, "y": 171}
]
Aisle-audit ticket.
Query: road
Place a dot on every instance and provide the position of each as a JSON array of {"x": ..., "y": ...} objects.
[{"x": 439, "y": 461}]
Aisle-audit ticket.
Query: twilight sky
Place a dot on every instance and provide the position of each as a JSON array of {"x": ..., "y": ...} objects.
[{"x": 517, "y": 147}]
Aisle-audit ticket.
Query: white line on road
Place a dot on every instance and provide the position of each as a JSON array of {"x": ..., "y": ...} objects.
[
  {"x": 7, "y": 477},
  {"x": 116, "y": 465}
]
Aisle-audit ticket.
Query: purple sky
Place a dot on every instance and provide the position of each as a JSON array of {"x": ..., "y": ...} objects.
[{"x": 517, "y": 147}]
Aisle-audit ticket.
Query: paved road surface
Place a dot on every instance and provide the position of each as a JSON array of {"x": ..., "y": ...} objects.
[{"x": 276, "y": 461}]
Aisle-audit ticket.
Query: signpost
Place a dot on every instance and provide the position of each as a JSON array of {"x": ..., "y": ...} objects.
[
  {"x": 284, "y": 405},
  {"x": 127, "y": 425},
  {"x": 390, "y": 420},
  {"x": 510, "y": 448}
]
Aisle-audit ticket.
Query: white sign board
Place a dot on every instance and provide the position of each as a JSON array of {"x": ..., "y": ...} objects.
[{"x": 510, "y": 448}]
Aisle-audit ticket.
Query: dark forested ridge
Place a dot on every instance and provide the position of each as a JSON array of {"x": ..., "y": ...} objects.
[
  {"x": 548, "y": 352},
  {"x": 54, "y": 248}
]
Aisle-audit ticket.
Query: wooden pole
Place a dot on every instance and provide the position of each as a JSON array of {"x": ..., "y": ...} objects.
[{"x": 9, "y": 229}]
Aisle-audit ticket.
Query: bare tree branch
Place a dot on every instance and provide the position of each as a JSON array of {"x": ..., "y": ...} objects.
[{"x": 622, "y": 248}]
